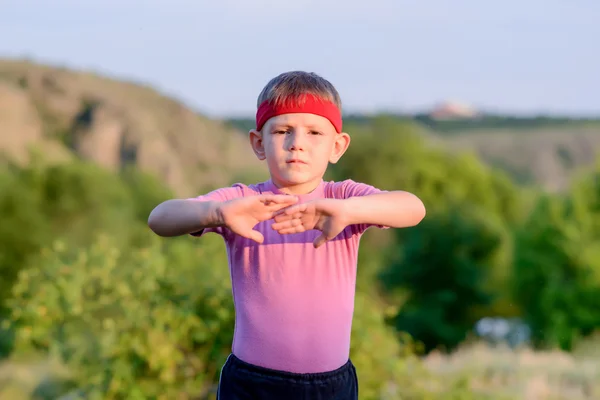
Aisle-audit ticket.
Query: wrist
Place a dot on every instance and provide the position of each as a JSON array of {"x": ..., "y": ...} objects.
[
  {"x": 218, "y": 216},
  {"x": 347, "y": 209}
]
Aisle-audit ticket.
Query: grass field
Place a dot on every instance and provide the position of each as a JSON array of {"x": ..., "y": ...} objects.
[
  {"x": 502, "y": 373},
  {"x": 493, "y": 373}
]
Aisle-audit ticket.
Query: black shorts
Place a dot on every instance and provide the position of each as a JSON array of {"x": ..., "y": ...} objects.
[{"x": 243, "y": 381}]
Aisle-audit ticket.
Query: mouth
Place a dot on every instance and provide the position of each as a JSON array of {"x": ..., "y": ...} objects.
[{"x": 295, "y": 161}]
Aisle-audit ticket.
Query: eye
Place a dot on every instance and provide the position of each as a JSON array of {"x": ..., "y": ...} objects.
[
  {"x": 280, "y": 132},
  {"x": 315, "y": 133}
]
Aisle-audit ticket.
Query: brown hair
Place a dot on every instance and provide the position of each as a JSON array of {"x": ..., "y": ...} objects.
[{"x": 294, "y": 84}]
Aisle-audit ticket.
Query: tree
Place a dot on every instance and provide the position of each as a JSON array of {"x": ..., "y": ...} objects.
[
  {"x": 557, "y": 270},
  {"x": 444, "y": 267}
]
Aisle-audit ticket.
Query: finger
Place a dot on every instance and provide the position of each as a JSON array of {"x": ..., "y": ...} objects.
[
  {"x": 286, "y": 217},
  {"x": 320, "y": 240},
  {"x": 294, "y": 229},
  {"x": 256, "y": 236},
  {"x": 278, "y": 209},
  {"x": 291, "y": 202},
  {"x": 279, "y": 198},
  {"x": 275, "y": 208},
  {"x": 291, "y": 210},
  {"x": 286, "y": 224}
]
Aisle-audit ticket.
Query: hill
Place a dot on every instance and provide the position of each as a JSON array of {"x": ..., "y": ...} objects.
[
  {"x": 67, "y": 114},
  {"x": 543, "y": 151}
]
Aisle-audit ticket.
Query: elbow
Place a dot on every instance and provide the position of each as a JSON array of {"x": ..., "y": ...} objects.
[
  {"x": 417, "y": 212},
  {"x": 155, "y": 221},
  {"x": 420, "y": 212}
]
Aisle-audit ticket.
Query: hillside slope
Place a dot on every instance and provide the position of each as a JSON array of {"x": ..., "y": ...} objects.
[
  {"x": 546, "y": 152},
  {"x": 113, "y": 123},
  {"x": 547, "y": 157}
]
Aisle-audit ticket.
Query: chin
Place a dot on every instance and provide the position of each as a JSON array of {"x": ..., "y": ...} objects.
[{"x": 296, "y": 178}]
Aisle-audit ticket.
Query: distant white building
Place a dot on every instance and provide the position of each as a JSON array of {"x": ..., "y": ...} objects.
[{"x": 453, "y": 110}]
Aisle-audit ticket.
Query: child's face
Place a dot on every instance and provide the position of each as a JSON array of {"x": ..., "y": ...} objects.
[{"x": 298, "y": 149}]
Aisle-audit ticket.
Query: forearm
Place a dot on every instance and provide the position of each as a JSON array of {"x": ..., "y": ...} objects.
[
  {"x": 180, "y": 217},
  {"x": 396, "y": 209}
]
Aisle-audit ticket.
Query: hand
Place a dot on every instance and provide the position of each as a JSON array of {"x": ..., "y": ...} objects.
[
  {"x": 326, "y": 215},
  {"x": 241, "y": 215}
]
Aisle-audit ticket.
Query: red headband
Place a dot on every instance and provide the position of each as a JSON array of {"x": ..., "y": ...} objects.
[{"x": 311, "y": 105}]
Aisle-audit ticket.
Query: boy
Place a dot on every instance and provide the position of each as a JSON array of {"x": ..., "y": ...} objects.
[{"x": 294, "y": 310}]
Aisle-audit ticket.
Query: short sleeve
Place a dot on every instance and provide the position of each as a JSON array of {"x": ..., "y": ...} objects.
[
  {"x": 222, "y": 194},
  {"x": 354, "y": 189},
  {"x": 349, "y": 188}
]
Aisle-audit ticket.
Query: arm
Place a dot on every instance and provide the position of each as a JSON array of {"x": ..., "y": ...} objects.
[
  {"x": 181, "y": 217},
  {"x": 394, "y": 209},
  {"x": 358, "y": 209}
]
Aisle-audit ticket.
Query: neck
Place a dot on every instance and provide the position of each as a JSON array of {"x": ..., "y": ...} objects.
[{"x": 298, "y": 189}]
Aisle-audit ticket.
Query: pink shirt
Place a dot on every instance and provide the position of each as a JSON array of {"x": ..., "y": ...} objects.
[{"x": 294, "y": 303}]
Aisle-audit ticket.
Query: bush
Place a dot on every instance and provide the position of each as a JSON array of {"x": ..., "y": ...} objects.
[
  {"x": 129, "y": 324},
  {"x": 74, "y": 202}
]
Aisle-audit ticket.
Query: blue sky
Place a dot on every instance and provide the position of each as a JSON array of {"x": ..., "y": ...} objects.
[{"x": 524, "y": 56}]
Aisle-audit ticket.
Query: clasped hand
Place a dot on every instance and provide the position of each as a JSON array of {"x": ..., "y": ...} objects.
[
  {"x": 242, "y": 215},
  {"x": 325, "y": 215}
]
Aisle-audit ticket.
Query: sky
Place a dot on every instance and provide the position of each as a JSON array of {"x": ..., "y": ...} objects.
[{"x": 518, "y": 56}]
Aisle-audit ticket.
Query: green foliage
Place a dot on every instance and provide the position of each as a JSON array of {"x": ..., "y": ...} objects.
[
  {"x": 488, "y": 122},
  {"x": 128, "y": 323},
  {"x": 444, "y": 266},
  {"x": 145, "y": 191},
  {"x": 22, "y": 229},
  {"x": 75, "y": 202},
  {"x": 72, "y": 201},
  {"x": 556, "y": 277}
]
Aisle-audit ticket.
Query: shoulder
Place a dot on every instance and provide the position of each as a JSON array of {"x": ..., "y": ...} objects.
[
  {"x": 227, "y": 193},
  {"x": 349, "y": 188}
]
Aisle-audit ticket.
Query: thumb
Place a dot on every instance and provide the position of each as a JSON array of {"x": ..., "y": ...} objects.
[
  {"x": 256, "y": 236},
  {"x": 320, "y": 240}
]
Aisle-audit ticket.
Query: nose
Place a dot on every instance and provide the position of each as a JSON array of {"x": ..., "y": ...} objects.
[{"x": 296, "y": 141}]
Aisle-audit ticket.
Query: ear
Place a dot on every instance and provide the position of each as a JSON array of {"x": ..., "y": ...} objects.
[
  {"x": 256, "y": 142},
  {"x": 342, "y": 141}
]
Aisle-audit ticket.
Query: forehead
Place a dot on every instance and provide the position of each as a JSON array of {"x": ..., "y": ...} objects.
[{"x": 305, "y": 120}]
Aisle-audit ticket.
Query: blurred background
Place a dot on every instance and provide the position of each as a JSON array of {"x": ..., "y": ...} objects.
[{"x": 489, "y": 111}]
